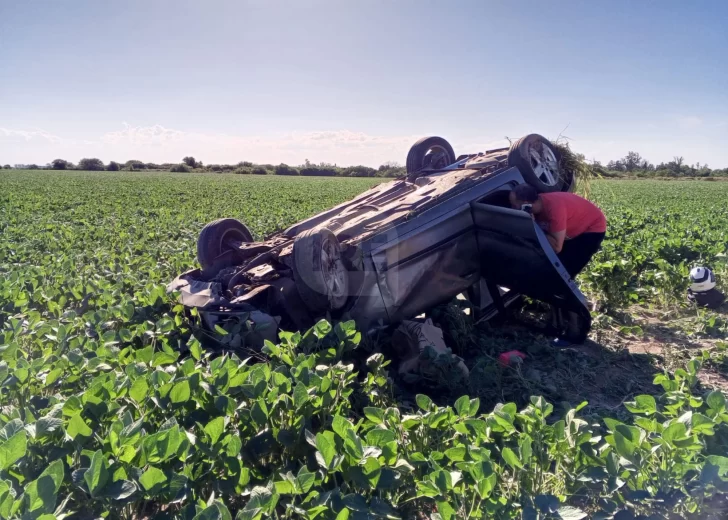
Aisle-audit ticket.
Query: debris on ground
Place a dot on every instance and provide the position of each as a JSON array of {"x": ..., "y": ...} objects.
[
  {"x": 511, "y": 357},
  {"x": 421, "y": 347}
]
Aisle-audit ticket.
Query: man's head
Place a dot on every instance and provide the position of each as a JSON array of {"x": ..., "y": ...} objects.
[{"x": 524, "y": 194}]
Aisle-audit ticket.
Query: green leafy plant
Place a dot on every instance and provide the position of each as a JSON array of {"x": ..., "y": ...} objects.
[{"x": 109, "y": 404}]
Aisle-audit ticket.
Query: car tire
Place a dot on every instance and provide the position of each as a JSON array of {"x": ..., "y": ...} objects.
[
  {"x": 213, "y": 237},
  {"x": 539, "y": 162},
  {"x": 319, "y": 272},
  {"x": 418, "y": 154}
]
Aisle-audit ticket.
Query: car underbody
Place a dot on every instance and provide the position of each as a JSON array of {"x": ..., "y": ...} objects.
[{"x": 393, "y": 252}]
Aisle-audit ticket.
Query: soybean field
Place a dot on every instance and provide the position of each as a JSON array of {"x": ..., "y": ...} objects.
[{"x": 109, "y": 405}]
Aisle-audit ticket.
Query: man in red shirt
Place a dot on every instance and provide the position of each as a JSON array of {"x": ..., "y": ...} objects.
[
  {"x": 574, "y": 226},
  {"x": 575, "y": 229}
]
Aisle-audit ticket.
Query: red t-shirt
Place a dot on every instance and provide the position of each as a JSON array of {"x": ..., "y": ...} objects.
[{"x": 566, "y": 211}]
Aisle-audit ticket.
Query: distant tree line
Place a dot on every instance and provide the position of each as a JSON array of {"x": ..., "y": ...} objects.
[
  {"x": 190, "y": 164},
  {"x": 632, "y": 165}
]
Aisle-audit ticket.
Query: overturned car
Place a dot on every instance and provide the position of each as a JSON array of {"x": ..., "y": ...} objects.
[{"x": 394, "y": 251}]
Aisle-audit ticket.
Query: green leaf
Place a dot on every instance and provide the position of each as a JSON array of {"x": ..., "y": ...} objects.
[
  {"x": 305, "y": 479},
  {"x": 485, "y": 486},
  {"x": 646, "y": 424},
  {"x": 119, "y": 490},
  {"x": 259, "y": 412},
  {"x": 10, "y": 429},
  {"x": 125, "y": 335},
  {"x": 145, "y": 355},
  {"x": 456, "y": 454},
  {"x": 694, "y": 366},
  {"x": 474, "y": 407},
  {"x": 446, "y": 510},
  {"x": 195, "y": 349},
  {"x": 326, "y": 448},
  {"x": 624, "y": 446},
  {"x": 244, "y": 477},
  {"x": 676, "y": 431},
  {"x": 41, "y": 496},
  {"x": 379, "y": 437},
  {"x": 372, "y": 471},
  {"x": 128, "y": 310},
  {"x": 41, "y": 493},
  {"x": 153, "y": 480},
  {"x": 476, "y": 427},
  {"x": 341, "y": 426},
  {"x": 375, "y": 415},
  {"x": 180, "y": 392},
  {"x": 284, "y": 487},
  {"x": 702, "y": 424},
  {"x": 511, "y": 458},
  {"x": 217, "y": 511},
  {"x": 233, "y": 445},
  {"x": 97, "y": 474},
  {"x": 715, "y": 400},
  {"x": 322, "y": 328},
  {"x": 56, "y": 472},
  {"x": 642, "y": 404},
  {"x": 423, "y": 402},
  {"x": 403, "y": 466},
  {"x": 300, "y": 395},
  {"x": 524, "y": 445},
  {"x": 220, "y": 330},
  {"x": 164, "y": 444},
  {"x": 77, "y": 426},
  {"x": 52, "y": 376},
  {"x": 719, "y": 462},
  {"x": 46, "y": 425},
  {"x": 214, "y": 429},
  {"x": 13, "y": 449},
  {"x": 6, "y": 498},
  {"x": 462, "y": 406},
  {"x": 72, "y": 406},
  {"x": 353, "y": 445},
  {"x": 426, "y": 489}
]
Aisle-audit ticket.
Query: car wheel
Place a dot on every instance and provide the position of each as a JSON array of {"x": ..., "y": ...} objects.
[
  {"x": 218, "y": 237},
  {"x": 429, "y": 153},
  {"x": 539, "y": 163},
  {"x": 319, "y": 272}
]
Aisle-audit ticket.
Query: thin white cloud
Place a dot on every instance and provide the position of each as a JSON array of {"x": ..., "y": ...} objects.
[
  {"x": 19, "y": 136},
  {"x": 341, "y": 146},
  {"x": 158, "y": 134},
  {"x": 689, "y": 122},
  {"x": 143, "y": 135},
  {"x": 159, "y": 144},
  {"x": 7, "y": 134}
]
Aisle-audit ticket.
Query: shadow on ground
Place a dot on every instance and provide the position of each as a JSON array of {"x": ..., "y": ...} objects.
[{"x": 605, "y": 374}]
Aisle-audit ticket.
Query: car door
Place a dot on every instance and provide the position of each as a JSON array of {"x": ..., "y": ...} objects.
[
  {"x": 421, "y": 265},
  {"x": 515, "y": 253}
]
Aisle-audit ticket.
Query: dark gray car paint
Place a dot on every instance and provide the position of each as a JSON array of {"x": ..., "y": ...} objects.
[
  {"x": 426, "y": 250},
  {"x": 446, "y": 249}
]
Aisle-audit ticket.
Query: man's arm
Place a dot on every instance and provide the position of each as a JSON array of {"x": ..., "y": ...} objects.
[
  {"x": 556, "y": 240},
  {"x": 557, "y": 226}
]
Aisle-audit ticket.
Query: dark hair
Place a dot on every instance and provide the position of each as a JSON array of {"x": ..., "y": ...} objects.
[{"x": 526, "y": 193}]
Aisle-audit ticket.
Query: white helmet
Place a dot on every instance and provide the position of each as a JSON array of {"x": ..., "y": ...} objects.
[{"x": 701, "y": 279}]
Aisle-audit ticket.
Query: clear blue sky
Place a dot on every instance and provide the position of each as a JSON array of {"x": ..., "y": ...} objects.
[{"x": 357, "y": 82}]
